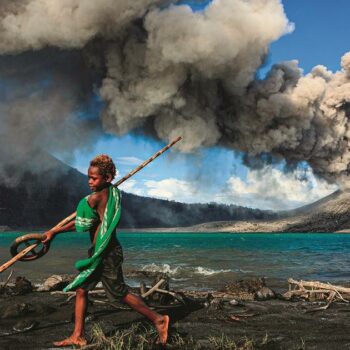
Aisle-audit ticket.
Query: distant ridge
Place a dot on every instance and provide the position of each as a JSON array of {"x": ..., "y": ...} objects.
[
  {"x": 41, "y": 199},
  {"x": 330, "y": 214},
  {"x": 315, "y": 206}
]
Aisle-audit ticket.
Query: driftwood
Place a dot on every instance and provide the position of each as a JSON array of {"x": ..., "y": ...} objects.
[
  {"x": 319, "y": 285},
  {"x": 143, "y": 288},
  {"x": 315, "y": 290},
  {"x": 153, "y": 289},
  {"x": 60, "y": 292},
  {"x": 120, "y": 307},
  {"x": 3, "y": 285}
]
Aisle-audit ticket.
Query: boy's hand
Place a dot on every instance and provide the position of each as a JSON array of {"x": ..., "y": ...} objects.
[{"x": 49, "y": 237}]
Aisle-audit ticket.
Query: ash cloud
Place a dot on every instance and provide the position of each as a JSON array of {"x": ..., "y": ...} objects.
[
  {"x": 41, "y": 101},
  {"x": 170, "y": 71}
]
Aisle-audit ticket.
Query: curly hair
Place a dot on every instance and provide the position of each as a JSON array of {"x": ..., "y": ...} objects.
[{"x": 105, "y": 164}]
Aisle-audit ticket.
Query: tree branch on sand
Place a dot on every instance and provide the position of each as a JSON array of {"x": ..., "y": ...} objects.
[{"x": 315, "y": 290}]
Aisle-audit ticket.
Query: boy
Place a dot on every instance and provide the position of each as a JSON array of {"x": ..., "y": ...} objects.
[{"x": 99, "y": 213}]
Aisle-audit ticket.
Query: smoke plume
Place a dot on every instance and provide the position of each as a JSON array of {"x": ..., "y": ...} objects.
[{"x": 163, "y": 68}]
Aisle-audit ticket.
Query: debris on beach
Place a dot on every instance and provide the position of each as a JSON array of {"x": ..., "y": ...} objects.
[
  {"x": 21, "y": 286},
  {"x": 157, "y": 295},
  {"x": 250, "y": 289},
  {"x": 55, "y": 282},
  {"x": 317, "y": 291},
  {"x": 222, "y": 319}
]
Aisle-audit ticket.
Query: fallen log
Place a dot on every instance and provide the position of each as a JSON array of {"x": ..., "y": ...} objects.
[
  {"x": 317, "y": 290},
  {"x": 319, "y": 285}
]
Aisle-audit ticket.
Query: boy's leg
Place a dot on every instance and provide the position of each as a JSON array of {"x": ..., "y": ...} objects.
[
  {"x": 160, "y": 322},
  {"x": 78, "y": 336},
  {"x": 113, "y": 283}
]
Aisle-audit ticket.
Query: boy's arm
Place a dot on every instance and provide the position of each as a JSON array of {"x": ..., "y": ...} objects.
[
  {"x": 53, "y": 232},
  {"x": 93, "y": 202}
]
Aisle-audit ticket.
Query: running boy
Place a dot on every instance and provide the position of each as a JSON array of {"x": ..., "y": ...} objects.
[{"x": 99, "y": 213}]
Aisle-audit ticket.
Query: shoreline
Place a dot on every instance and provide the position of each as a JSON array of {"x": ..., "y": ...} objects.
[
  {"x": 202, "y": 261},
  {"x": 178, "y": 230},
  {"x": 205, "y": 322}
]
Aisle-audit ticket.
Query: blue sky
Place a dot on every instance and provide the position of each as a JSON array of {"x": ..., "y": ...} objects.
[{"x": 320, "y": 37}]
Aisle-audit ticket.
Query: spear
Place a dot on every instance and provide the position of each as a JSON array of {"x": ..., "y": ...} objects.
[{"x": 71, "y": 217}]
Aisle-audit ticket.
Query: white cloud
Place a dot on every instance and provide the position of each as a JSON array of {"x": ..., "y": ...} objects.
[
  {"x": 131, "y": 186},
  {"x": 268, "y": 188},
  {"x": 128, "y": 161},
  {"x": 172, "y": 189},
  {"x": 271, "y": 188}
]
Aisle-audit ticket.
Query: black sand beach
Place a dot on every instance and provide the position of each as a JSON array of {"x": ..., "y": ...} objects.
[{"x": 203, "y": 323}]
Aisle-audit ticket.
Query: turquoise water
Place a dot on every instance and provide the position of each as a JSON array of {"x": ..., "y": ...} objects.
[{"x": 203, "y": 260}]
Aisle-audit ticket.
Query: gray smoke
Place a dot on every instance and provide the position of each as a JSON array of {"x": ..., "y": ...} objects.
[
  {"x": 41, "y": 101},
  {"x": 170, "y": 71},
  {"x": 176, "y": 69}
]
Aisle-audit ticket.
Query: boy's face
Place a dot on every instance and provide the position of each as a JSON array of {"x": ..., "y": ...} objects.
[{"x": 97, "y": 181}]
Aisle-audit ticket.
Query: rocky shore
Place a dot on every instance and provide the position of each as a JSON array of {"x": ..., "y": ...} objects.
[{"x": 244, "y": 315}]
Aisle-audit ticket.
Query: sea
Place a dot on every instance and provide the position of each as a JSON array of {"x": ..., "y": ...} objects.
[{"x": 201, "y": 261}]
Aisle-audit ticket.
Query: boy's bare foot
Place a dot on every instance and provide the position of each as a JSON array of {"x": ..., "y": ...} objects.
[
  {"x": 80, "y": 341},
  {"x": 162, "y": 328}
]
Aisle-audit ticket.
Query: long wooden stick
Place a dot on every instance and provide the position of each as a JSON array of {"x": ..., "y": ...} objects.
[
  {"x": 149, "y": 160},
  {"x": 72, "y": 216}
]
